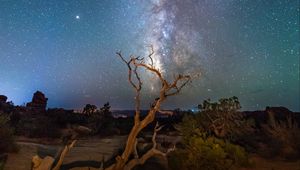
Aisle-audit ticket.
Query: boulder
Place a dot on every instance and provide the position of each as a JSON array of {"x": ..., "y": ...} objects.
[{"x": 82, "y": 130}]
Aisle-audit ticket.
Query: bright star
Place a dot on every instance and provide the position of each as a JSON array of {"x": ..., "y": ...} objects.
[{"x": 77, "y": 17}]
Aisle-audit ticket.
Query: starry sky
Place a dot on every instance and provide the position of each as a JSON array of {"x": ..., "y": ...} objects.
[{"x": 66, "y": 48}]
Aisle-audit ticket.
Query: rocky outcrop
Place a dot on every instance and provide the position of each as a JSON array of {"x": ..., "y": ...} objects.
[
  {"x": 5, "y": 107},
  {"x": 38, "y": 103},
  {"x": 3, "y": 99},
  {"x": 279, "y": 113}
]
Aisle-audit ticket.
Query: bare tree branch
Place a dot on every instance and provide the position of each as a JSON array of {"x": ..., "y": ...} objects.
[
  {"x": 166, "y": 112},
  {"x": 174, "y": 86},
  {"x": 137, "y": 87},
  {"x": 136, "y": 155},
  {"x": 150, "y": 55},
  {"x": 63, "y": 154},
  {"x": 152, "y": 152},
  {"x": 167, "y": 89}
]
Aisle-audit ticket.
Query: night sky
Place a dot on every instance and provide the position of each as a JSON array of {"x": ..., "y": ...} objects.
[{"x": 66, "y": 48}]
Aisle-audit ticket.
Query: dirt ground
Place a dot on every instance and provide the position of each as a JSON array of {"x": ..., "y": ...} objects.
[
  {"x": 92, "y": 151},
  {"x": 260, "y": 163},
  {"x": 84, "y": 150}
]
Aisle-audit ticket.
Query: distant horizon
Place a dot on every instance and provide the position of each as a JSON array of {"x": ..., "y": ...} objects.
[{"x": 143, "y": 108}]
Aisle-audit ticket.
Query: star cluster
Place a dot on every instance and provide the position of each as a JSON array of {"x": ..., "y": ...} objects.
[{"x": 246, "y": 48}]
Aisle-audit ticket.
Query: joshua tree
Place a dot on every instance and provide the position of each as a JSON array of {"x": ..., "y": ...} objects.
[{"x": 167, "y": 89}]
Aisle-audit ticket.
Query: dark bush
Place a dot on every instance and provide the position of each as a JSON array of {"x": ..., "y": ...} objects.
[
  {"x": 102, "y": 122},
  {"x": 7, "y": 142},
  {"x": 223, "y": 118},
  {"x": 38, "y": 127},
  {"x": 63, "y": 117},
  {"x": 282, "y": 137}
]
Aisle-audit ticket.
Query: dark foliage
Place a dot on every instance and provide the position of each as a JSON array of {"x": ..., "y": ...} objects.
[
  {"x": 64, "y": 117},
  {"x": 89, "y": 109},
  {"x": 102, "y": 121},
  {"x": 7, "y": 142},
  {"x": 283, "y": 136},
  {"x": 203, "y": 151},
  {"x": 208, "y": 136},
  {"x": 38, "y": 127},
  {"x": 6, "y": 107},
  {"x": 223, "y": 118}
]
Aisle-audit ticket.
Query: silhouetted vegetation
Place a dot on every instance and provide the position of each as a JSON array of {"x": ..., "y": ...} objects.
[
  {"x": 101, "y": 121},
  {"x": 7, "y": 142},
  {"x": 284, "y": 136},
  {"x": 218, "y": 136},
  {"x": 63, "y": 117},
  {"x": 89, "y": 109},
  {"x": 223, "y": 118},
  {"x": 38, "y": 127}
]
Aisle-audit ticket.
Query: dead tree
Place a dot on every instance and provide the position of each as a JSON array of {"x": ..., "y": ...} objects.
[
  {"x": 47, "y": 162},
  {"x": 167, "y": 89}
]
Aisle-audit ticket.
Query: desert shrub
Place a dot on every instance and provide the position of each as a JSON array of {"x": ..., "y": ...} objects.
[
  {"x": 208, "y": 152},
  {"x": 202, "y": 149},
  {"x": 123, "y": 124},
  {"x": 1, "y": 165},
  {"x": 14, "y": 118},
  {"x": 63, "y": 117},
  {"x": 190, "y": 126},
  {"x": 220, "y": 119},
  {"x": 78, "y": 118},
  {"x": 223, "y": 118},
  {"x": 7, "y": 107},
  {"x": 7, "y": 142},
  {"x": 96, "y": 121},
  {"x": 101, "y": 121},
  {"x": 284, "y": 136},
  {"x": 38, "y": 127},
  {"x": 89, "y": 109},
  {"x": 3, "y": 159}
]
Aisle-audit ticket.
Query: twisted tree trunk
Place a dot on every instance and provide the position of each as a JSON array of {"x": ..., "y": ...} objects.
[
  {"x": 46, "y": 163},
  {"x": 167, "y": 89}
]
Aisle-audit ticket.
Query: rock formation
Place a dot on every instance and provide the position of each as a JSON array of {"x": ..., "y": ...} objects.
[
  {"x": 3, "y": 99},
  {"x": 5, "y": 107},
  {"x": 39, "y": 102}
]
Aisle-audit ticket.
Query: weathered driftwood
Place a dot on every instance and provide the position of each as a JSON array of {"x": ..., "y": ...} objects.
[
  {"x": 47, "y": 162},
  {"x": 42, "y": 164}
]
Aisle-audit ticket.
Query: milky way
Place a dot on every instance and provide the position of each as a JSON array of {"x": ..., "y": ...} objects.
[{"x": 246, "y": 48}]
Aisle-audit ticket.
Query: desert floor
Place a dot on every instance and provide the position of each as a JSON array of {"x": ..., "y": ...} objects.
[{"x": 91, "y": 151}]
